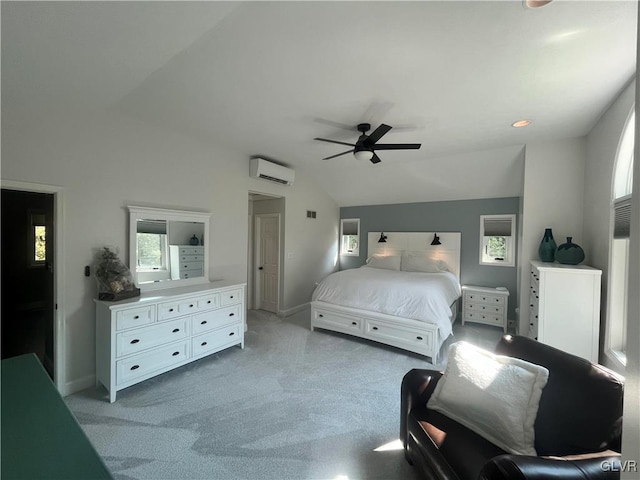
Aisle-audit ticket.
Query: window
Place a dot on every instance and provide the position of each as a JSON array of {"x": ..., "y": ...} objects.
[
  {"x": 152, "y": 245},
  {"x": 497, "y": 240},
  {"x": 619, "y": 252},
  {"x": 350, "y": 236},
  {"x": 37, "y": 239}
]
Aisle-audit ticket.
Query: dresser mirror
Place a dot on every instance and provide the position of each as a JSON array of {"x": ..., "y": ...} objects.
[{"x": 168, "y": 248}]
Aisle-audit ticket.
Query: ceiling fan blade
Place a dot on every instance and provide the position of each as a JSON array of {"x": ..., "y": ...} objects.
[
  {"x": 337, "y": 155},
  {"x": 396, "y": 146},
  {"x": 375, "y": 159},
  {"x": 335, "y": 141},
  {"x": 378, "y": 133}
]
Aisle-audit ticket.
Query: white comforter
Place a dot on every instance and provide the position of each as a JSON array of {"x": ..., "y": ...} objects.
[{"x": 420, "y": 296}]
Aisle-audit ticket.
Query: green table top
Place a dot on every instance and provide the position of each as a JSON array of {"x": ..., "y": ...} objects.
[{"x": 41, "y": 439}]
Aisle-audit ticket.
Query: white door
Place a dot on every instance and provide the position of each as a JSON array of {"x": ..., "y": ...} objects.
[{"x": 268, "y": 260}]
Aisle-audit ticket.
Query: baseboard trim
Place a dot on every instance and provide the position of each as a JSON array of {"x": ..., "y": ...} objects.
[
  {"x": 79, "y": 385},
  {"x": 291, "y": 311}
]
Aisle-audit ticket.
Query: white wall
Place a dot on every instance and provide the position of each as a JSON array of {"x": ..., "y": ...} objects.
[
  {"x": 553, "y": 194},
  {"x": 105, "y": 162},
  {"x": 602, "y": 147}
]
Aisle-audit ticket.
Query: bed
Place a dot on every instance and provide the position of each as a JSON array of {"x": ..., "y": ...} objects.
[{"x": 406, "y": 295}]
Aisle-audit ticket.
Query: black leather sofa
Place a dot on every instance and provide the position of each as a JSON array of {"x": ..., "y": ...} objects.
[{"x": 579, "y": 424}]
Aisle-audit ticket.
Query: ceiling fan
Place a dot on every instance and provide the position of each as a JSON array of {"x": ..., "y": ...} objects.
[{"x": 365, "y": 147}]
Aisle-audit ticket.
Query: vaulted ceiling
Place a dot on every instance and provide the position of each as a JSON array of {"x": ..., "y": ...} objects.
[{"x": 265, "y": 78}]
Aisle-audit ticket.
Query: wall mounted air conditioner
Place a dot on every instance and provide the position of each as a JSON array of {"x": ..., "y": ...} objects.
[{"x": 261, "y": 168}]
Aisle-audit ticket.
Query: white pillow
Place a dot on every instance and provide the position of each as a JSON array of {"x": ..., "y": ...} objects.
[
  {"x": 494, "y": 395},
  {"x": 389, "y": 262},
  {"x": 412, "y": 263}
]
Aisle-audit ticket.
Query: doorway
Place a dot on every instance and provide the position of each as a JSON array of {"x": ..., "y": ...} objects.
[
  {"x": 28, "y": 305},
  {"x": 264, "y": 255}
]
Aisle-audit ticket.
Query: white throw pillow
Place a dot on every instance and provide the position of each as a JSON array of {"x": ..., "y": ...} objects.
[
  {"x": 389, "y": 262},
  {"x": 412, "y": 263},
  {"x": 494, "y": 395}
]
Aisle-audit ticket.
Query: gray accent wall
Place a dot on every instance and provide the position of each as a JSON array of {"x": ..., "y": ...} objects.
[{"x": 453, "y": 216}]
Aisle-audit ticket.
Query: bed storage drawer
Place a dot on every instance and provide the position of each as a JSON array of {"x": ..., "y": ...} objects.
[
  {"x": 339, "y": 322},
  {"x": 389, "y": 333}
]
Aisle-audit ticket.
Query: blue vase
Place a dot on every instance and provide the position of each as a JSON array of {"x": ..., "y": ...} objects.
[
  {"x": 547, "y": 248},
  {"x": 570, "y": 253},
  {"x": 194, "y": 241}
]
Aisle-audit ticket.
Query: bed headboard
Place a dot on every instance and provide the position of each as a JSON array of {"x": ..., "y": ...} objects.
[{"x": 419, "y": 243}]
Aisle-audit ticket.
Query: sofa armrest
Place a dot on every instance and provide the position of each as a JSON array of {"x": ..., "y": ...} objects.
[
  {"x": 521, "y": 467},
  {"x": 417, "y": 387}
]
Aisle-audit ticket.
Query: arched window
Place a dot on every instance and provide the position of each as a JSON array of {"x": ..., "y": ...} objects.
[{"x": 619, "y": 257}]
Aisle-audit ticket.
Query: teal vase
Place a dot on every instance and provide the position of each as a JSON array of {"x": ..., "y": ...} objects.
[
  {"x": 194, "y": 241},
  {"x": 570, "y": 253},
  {"x": 547, "y": 248}
]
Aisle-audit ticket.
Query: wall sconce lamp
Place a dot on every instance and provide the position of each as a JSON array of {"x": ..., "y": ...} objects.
[
  {"x": 436, "y": 240},
  {"x": 383, "y": 238}
]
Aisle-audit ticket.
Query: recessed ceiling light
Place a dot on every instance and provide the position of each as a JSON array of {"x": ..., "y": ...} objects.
[
  {"x": 535, "y": 3},
  {"x": 521, "y": 123}
]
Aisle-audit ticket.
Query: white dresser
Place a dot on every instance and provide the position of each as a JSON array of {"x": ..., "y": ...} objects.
[
  {"x": 564, "y": 307},
  {"x": 485, "y": 305},
  {"x": 140, "y": 338},
  {"x": 186, "y": 261}
]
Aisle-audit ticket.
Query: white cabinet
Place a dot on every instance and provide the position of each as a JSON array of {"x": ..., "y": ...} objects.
[
  {"x": 485, "y": 305},
  {"x": 140, "y": 338},
  {"x": 564, "y": 307},
  {"x": 186, "y": 261}
]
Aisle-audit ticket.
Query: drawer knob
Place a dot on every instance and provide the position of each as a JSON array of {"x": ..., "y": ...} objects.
[
  {"x": 203, "y": 344},
  {"x": 208, "y": 301},
  {"x": 531, "y": 324},
  {"x": 134, "y": 341},
  {"x": 320, "y": 315},
  {"x": 203, "y": 322},
  {"x": 231, "y": 314},
  {"x": 191, "y": 305},
  {"x": 175, "y": 330},
  {"x": 418, "y": 338},
  {"x": 354, "y": 323},
  {"x": 136, "y": 317},
  {"x": 171, "y": 309},
  {"x": 231, "y": 296},
  {"x": 374, "y": 328},
  {"x": 135, "y": 367},
  {"x": 175, "y": 353},
  {"x": 232, "y": 334}
]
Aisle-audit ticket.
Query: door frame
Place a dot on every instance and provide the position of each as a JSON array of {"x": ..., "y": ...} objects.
[
  {"x": 59, "y": 334},
  {"x": 257, "y": 260}
]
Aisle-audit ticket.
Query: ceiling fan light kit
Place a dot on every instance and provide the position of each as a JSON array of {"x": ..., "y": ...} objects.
[{"x": 365, "y": 147}]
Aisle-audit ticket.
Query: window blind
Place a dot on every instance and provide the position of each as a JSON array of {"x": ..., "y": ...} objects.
[
  {"x": 622, "y": 217},
  {"x": 497, "y": 227},
  {"x": 159, "y": 227},
  {"x": 350, "y": 227}
]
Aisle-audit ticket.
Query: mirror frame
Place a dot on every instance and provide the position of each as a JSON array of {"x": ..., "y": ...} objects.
[{"x": 151, "y": 213}]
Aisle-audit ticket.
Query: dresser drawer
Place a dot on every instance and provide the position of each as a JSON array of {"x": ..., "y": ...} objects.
[
  {"x": 231, "y": 296},
  {"x": 215, "y": 339},
  {"x": 484, "y": 298},
  {"x": 135, "y": 317},
  {"x": 191, "y": 266},
  {"x": 480, "y": 317},
  {"x": 195, "y": 250},
  {"x": 177, "y": 308},
  {"x": 192, "y": 258},
  {"x": 146, "y": 363},
  {"x": 483, "y": 307},
  {"x": 134, "y": 341},
  {"x": 208, "y": 301},
  {"x": 202, "y": 322}
]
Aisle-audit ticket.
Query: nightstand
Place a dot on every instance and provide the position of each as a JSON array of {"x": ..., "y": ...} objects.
[{"x": 485, "y": 305}]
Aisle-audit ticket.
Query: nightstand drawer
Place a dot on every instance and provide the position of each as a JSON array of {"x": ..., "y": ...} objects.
[
  {"x": 482, "y": 307},
  {"x": 484, "y": 298}
]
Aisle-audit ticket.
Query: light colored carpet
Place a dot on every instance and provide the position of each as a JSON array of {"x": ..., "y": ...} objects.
[{"x": 294, "y": 404}]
